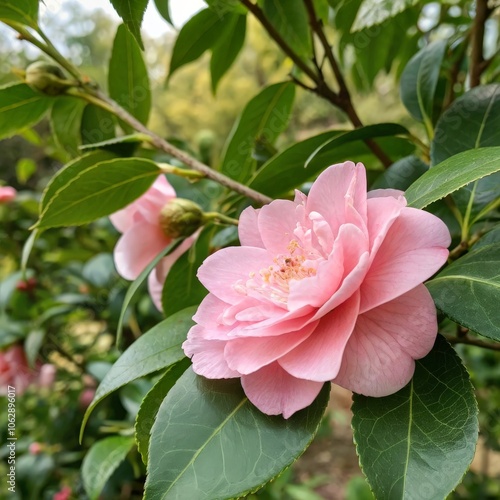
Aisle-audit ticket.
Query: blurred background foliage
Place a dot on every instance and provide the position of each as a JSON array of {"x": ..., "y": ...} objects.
[{"x": 66, "y": 307}]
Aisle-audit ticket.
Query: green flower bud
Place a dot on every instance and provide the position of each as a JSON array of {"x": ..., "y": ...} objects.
[
  {"x": 47, "y": 78},
  {"x": 180, "y": 217}
]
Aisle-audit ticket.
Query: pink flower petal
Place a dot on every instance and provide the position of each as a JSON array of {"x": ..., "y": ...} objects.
[
  {"x": 385, "y": 193},
  {"x": 273, "y": 391},
  {"x": 277, "y": 222},
  {"x": 207, "y": 355},
  {"x": 319, "y": 356},
  {"x": 338, "y": 186},
  {"x": 247, "y": 355},
  {"x": 137, "y": 247},
  {"x": 248, "y": 229},
  {"x": 220, "y": 272},
  {"x": 379, "y": 357},
  {"x": 146, "y": 207},
  {"x": 414, "y": 248}
]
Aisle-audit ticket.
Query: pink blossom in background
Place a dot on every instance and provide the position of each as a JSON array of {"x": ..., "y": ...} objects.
[
  {"x": 15, "y": 371},
  {"x": 143, "y": 238},
  {"x": 63, "y": 494},
  {"x": 325, "y": 287},
  {"x": 7, "y": 194}
]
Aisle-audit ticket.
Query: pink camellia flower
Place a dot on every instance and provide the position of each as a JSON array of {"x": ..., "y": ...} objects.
[
  {"x": 144, "y": 238},
  {"x": 15, "y": 371},
  {"x": 325, "y": 287},
  {"x": 63, "y": 494},
  {"x": 7, "y": 193}
]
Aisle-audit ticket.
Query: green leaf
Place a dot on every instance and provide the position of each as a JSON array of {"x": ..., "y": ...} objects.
[
  {"x": 20, "y": 107},
  {"x": 468, "y": 291},
  {"x": 471, "y": 122},
  {"x": 419, "y": 81},
  {"x": 292, "y": 22},
  {"x": 128, "y": 80},
  {"x": 236, "y": 450},
  {"x": 102, "y": 460},
  {"x": 69, "y": 172},
  {"x": 263, "y": 119},
  {"x": 401, "y": 174},
  {"x": 374, "y": 12},
  {"x": 151, "y": 403},
  {"x": 163, "y": 7},
  {"x": 20, "y": 11},
  {"x": 492, "y": 236},
  {"x": 418, "y": 442},
  {"x": 66, "y": 121},
  {"x": 227, "y": 48},
  {"x": 286, "y": 170},
  {"x": 132, "y": 12},
  {"x": 452, "y": 174},
  {"x": 199, "y": 34},
  {"x": 155, "y": 350},
  {"x": 182, "y": 288},
  {"x": 132, "y": 289},
  {"x": 98, "y": 190},
  {"x": 97, "y": 125},
  {"x": 362, "y": 133},
  {"x": 134, "y": 139},
  {"x": 25, "y": 168}
]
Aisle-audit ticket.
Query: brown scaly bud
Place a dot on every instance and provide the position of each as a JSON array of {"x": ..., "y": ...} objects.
[
  {"x": 47, "y": 78},
  {"x": 181, "y": 217}
]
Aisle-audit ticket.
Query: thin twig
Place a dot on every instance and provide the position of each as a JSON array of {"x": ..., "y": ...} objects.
[
  {"x": 170, "y": 149},
  {"x": 475, "y": 342},
  {"x": 476, "y": 56}
]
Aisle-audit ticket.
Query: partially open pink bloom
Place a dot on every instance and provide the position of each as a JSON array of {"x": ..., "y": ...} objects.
[
  {"x": 15, "y": 371},
  {"x": 325, "y": 287},
  {"x": 7, "y": 193},
  {"x": 143, "y": 237}
]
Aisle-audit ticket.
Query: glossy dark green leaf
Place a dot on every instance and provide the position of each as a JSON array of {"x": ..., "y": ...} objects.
[
  {"x": 163, "y": 7},
  {"x": 136, "y": 284},
  {"x": 401, "y": 174},
  {"x": 236, "y": 450},
  {"x": 471, "y": 122},
  {"x": 221, "y": 7},
  {"x": 102, "y": 460},
  {"x": 492, "y": 236},
  {"x": 264, "y": 118},
  {"x": 182, "y": 288},
  {"x": 419, "y": 81},
  {"x": 66, "y": 121},
  {"x": 227, "y": 48},
  {"x": 97, "y": 125},
  {"x": 468, "y": 290},
  {"x": 368, "y": 132},
  {"x": 452, "y": 174},
  {"x": 69, "y": 172},
  {"x": 128, "y": 80},
  {"x": 291, "y": 21},
  {"x": 151, "y": 404},
  {"x": 20, "y": 107},
  {"x": 132, "y": 12},
  {"x": 419, "y": 442},
  {"x": 155, "y": 350},
  {"x": 199, "y": 34},
  {"x": 99, "y": 189},
  {"x": 374, "y": 12},
  {"x": 20, "y": 11},
  {"x": 286, "y": 170}
]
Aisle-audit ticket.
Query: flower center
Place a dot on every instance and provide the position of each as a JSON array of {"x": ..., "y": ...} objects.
[{"x": 273, "y": 282}]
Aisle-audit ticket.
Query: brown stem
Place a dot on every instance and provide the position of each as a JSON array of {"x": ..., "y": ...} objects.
[
  {"x": 168, "y": 148},
  {"x": 274, "y": 34},
  {"x": 343, "y": 98},
  {"x": 475, "y": 342},
  {"x": 476, "y": 57}
]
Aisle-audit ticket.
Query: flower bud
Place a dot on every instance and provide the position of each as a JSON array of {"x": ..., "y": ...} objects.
[
  {"x": 180, "y": 217},
  {"x": 47, "y": 78}
]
